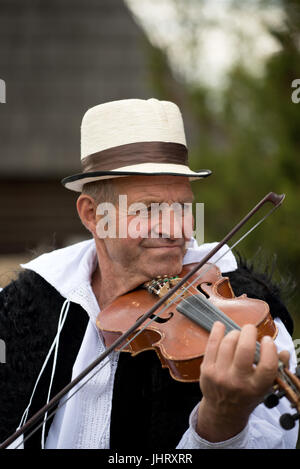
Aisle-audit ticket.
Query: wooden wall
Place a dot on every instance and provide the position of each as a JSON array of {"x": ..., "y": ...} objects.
[{"x": 37, "y": 215}]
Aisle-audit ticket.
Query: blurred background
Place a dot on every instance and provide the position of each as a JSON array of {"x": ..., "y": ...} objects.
[{"x": 232, "y": 67}]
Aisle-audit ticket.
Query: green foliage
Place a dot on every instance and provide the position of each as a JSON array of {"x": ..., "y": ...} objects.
[{"x": 251, "y": 142}]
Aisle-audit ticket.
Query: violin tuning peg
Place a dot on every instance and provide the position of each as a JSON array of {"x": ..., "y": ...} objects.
[
  {"x": 272, "y": 399},
  {"x": 287, "y": 421}
]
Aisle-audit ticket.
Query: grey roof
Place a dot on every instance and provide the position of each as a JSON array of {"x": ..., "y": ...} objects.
[{"x": 58, "y": 58}]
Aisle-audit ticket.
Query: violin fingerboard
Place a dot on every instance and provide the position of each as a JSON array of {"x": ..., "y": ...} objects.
[{"x": 200, "y": 310}]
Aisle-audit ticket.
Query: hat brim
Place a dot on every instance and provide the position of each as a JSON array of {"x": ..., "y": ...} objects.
[{"x": 77, "y": 181}]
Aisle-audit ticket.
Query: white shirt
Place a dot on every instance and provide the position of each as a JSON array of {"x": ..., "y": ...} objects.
[{"x": 84, "y": 421}]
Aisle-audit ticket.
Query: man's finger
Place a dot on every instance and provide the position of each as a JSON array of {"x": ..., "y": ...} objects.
[
  {"x": 227, "y": 350},
  {"x": 245, "y": 350},
  {"x": 266, "y": 369},
  {"x": 215, "y": 337},
  {"x": 284, "y": 356}
]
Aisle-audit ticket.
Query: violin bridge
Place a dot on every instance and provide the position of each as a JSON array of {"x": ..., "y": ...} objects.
[{"x": 161, "y": 285}]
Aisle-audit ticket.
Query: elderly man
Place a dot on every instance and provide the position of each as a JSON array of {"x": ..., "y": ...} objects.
[{"x": 134, "y": 148}]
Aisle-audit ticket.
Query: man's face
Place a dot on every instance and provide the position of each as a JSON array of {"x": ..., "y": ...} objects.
[{"x": 155, "y": 239}]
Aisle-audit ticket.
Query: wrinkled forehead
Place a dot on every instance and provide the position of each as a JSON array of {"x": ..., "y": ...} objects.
[{"x": 164, "y": 187}]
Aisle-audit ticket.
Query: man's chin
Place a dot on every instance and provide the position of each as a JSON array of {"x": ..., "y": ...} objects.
[{"x": 166, "y": 265}]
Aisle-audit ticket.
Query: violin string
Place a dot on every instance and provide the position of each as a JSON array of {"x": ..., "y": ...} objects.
[
  {"x": 220, "y": 315},
  {"x": 151, "y": 320}
]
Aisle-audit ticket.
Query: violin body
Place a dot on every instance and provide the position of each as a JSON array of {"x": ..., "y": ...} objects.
[{"x": 179, "y": 342}]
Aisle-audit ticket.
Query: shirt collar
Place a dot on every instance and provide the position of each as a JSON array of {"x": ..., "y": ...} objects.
[{"x": 69, "y": 268}]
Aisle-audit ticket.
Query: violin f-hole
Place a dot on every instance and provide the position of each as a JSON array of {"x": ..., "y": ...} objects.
[
  {"x": 203, "y": 291},
  {"x": 159, "y": 319}
]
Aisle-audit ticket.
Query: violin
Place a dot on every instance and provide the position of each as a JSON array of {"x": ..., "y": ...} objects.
[{"x": 180, "y": 330}]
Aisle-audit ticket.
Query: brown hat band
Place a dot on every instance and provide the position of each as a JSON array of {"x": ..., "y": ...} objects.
[{"x": 136, "y": 153}]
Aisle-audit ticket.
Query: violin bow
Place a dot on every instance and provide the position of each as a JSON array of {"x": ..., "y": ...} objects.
[{"x": 271, "y": 197}]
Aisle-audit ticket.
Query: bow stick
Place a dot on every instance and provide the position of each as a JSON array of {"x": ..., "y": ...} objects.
[{"x": 272, "y": 197}]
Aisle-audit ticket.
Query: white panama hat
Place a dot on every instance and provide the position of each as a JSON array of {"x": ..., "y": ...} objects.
[{"x": 132, "y": 137}]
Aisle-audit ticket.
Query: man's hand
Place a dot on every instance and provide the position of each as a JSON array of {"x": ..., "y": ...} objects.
[{"x": 231, "y": 385}]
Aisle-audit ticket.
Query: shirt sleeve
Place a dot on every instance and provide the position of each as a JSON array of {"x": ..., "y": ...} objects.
[{"x": 263, "y": 430}]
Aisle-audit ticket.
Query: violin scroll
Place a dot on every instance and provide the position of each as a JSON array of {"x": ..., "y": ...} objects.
[{"x": 286, "y": 385}]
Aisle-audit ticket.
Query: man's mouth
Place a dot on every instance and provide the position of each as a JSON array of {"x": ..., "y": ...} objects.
[{"x": 165, "y": 246}]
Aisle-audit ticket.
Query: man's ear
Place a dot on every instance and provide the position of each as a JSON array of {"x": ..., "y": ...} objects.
[{"x": 86, "y": 208}]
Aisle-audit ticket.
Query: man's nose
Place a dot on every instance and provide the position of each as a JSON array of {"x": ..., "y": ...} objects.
[{"x": 168, "y": 222}]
